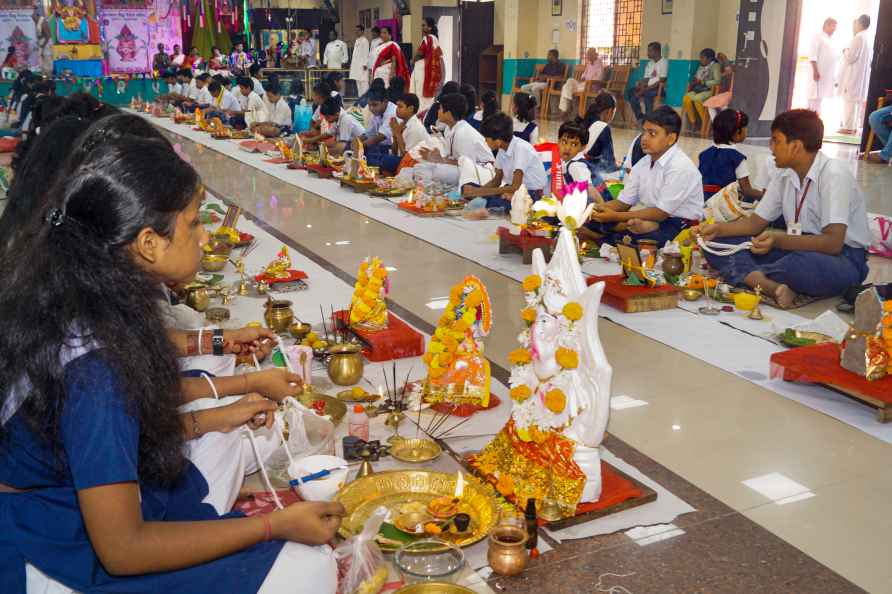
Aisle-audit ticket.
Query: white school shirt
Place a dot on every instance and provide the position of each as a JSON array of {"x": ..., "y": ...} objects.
[
  {"x": 743, "y": 170},
  {"x": 175, "y": 89},
  {"x": 226, "y": 102},
  {"x": 414, "y": 133},
  {"x": 577, "y": 169},
  {"x": 204, "y": 96},
  {"x": 380, "y": 124},
  {"x": 348, "y": 127},
  {"x": 654, "y": 71},
  {"x": 258, "y": 87},
  {"x": 521, "y": 156},
  {"x": 521, "y": 126},
  {"x": 192, "y": 90},
  {"x": 673, "y": 184},
  {"x": 462, "y": 140},
  {"x": 278, "y": 113},
  {"x": 249, "y": 102},
  {"x": 833, "y": 198}
]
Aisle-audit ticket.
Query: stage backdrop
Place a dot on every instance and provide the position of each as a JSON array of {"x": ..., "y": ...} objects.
[
  {"x": 126, "y": 37},
  {"x": 164, "y": 26},
  {"x": 17, "y": 29}
]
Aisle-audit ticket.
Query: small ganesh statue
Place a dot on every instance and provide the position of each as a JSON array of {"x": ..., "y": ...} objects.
[
  {"x": 458, "y": 373},
  {"x": 279, "y": 268},
  {"x": 368, "y": 310},
  {"x": 560, "y": 385}
]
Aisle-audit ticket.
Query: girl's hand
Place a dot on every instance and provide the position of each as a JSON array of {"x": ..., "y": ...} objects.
[
  {"x": 245, "y": 412},
  {"x": 275, "y": 384},
  {"x": 308, "y": 522},
  {"x": 246, "y": 340}
]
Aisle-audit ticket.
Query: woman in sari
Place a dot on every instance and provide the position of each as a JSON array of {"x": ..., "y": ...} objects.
[
  {"x": 427, "y": 75},
  {"x": 389, "y": 61}
]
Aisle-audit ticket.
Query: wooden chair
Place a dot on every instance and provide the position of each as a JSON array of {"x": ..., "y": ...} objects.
[
  {"x": 616, "y": 85},
  {"x": 554, "y": 84},
  {"x": 554, "y": 90},
  {"x": 519, "y": 81},
  {"x": 591, "y": 90},
  {"x": 881, "y": 102},
  {"x": 707, "y": 121}
]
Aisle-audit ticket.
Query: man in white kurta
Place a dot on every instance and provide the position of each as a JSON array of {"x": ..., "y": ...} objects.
[
  {"x": 335, "y": 52},
  {"x": 853, "y": 77},
  {"x": 822, "y": 58},
  {"x": 359, "y": 64}
]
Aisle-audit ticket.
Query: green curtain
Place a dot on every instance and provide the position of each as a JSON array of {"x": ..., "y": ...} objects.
[{"x": 204, "y": 38}]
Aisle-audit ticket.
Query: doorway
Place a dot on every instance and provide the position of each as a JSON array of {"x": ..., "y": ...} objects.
[{"x": 826, "y": 98}]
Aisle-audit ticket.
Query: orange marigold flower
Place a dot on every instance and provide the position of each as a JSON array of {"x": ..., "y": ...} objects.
[
  {"x": 521, "y": 392},
  {"x": 474, "y": 299},
  {"x": 428, "y": 357},
  {"x": 531, "y": 283},
  {"x": 445, "y": 358},
  {"x": 555, "y": 401},
  {"x": 572, "y": 311},
  {"x": 460, "y": 326},
  {"x": 528, "y": 314},
  {"x": 450, "y": 343},
  {"x": 505, "y": 485},
  {"x": 566, "y": 358},
  {"x": 519, "y": 356},
  {"x": 380, "y": 273}
]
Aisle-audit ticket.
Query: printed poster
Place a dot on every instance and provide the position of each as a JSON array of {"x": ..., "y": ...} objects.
[
  {"x": 17, "y": 29},
  {"x": 164, "y": 26},
  {"x": 127, "y": 39}
]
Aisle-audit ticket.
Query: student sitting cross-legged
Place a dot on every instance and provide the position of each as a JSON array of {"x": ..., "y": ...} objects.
[
  {"x": 572, "y": 139},
  {"x": 665, "y": 183},
  {"x": 517, "y": 163},
  {"x": 378, "y": 137},
  {"x": 824, "y": 249},
  {"x": 343, "y": 127}
]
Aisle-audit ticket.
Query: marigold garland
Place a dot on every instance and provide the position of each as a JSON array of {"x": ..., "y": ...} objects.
[
  {"x": 566, "y": 358},
  {"x": 519, "y": 356},
  {"x": 572, "y": 311},
  {"x": 555, "y": 401},
  {"x": 532, "y": 283},
  {"x": 521, "y": 392},
  {"x": 528, "y": 315}
]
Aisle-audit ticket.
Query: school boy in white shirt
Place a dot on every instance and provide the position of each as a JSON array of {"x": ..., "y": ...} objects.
[{"x": 824, "y": 249}]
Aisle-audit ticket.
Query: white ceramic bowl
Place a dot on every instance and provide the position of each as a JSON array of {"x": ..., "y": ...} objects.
[{"x": 321, "y": 489}]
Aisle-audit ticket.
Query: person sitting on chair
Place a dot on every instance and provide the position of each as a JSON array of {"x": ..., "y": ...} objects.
[{"x": 655, "y": 72}]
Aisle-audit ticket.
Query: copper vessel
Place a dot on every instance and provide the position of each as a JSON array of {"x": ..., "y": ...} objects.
[
  {"x": 278, "y": 315},
  {"x": 345, "y": 364},
  {"x": 507, "y": 553}
]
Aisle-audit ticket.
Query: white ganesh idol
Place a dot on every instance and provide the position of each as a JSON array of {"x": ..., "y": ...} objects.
[{"x": 560, "y": 383}]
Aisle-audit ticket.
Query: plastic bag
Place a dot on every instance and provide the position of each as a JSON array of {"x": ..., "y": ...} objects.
[
  {"x": 361, "y": 564},
  {"x": 303, "y": 117},
  {"x": 308, "y": 435},
  {"x": 725, "y": 205},
  {"x": 881, "y": 233}
]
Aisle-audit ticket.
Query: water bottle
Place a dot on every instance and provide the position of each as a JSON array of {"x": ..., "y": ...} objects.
[{"x": 358, "y": 423}]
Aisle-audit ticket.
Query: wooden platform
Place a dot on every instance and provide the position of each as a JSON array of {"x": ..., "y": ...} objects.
[
  {"x": 361, "y": 186},
  {"x": 819, "y": 364},
  {"x": 631, "y": 299},
  {"x": 524, "y": 244}
]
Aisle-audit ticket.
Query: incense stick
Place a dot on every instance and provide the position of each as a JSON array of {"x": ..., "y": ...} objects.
[
  {"x": 443, "y": 434},
  {"x": 324, "y": 327}
]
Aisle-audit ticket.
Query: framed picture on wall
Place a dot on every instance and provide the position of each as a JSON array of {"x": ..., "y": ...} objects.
[
  {"x": 557, "y": 7},
  {"x": 666, "y": 7}
]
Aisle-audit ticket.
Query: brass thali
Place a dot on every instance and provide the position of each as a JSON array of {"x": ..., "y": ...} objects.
[
  {"x": 395, "y": 488},
  {"x": 434, "y": 588}
]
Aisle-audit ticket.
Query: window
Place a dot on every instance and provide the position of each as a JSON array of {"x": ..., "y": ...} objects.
[
  {"x": 613, "y": 27},
  {"x": 368, "y": 17}
]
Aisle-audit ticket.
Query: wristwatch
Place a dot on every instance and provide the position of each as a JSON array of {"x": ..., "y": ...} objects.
[{"x": 218, "y": 342}]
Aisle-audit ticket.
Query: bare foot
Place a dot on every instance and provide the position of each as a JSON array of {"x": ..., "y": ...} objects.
[{"x": 785, "y": 296}]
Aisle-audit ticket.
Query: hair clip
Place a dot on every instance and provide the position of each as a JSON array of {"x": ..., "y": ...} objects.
[{"x": 55, "y": 217}]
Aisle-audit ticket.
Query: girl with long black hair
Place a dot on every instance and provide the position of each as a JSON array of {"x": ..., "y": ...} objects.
[{"x": 96, "y": 493}]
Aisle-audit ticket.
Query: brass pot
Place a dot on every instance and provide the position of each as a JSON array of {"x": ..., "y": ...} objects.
[
  {"x": 278, "y": 315},
  {"x": 507, "y": 553},
  {"x": 299, "y": 330},
  {"x": 198, "y": 298},
  {"x": 673, "y": 265},
  {"x": 345, "y": 364},
  {"x": 213, "y": 262}
]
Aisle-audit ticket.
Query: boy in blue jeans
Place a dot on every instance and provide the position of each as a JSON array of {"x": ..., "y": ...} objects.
[
  {"x": 881, "y": 124},
  {"x": 516, "y": 161},
  {"x": 824, "y": 249}
]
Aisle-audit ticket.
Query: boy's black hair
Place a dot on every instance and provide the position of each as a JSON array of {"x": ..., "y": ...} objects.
[
  {"x": 490, "y": 102},
  {"x": 456, "y": 104},
  {"x": 330, "y": 107},
  {"x": 376, "y": 95},
  {"x": 666, "y": 118},
  {"x": 184, "y": 72},
  {"x": 498, "y": 126},
  {"x": 708, "y": 53},
  {"x": 801, "y": 124},
  {"x": 169, "y": 74},
  {"x": 574, "y": 129},
  {"x": 254, "y": 69},
  {"x": 726, "y": 124},
  {"x": 470, "y": 94},
  {"x": 203, "y": 76},
  {"x": 214, "y": 86},
  {"x": 244, "y": 81},
  {"x": 655, "y": 45},
  {"x": 411, "y": 100},
  {"x": 555, "y": 52}
]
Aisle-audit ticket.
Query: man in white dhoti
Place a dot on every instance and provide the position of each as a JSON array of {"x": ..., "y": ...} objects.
[
  {"x": 853, "y": 77},
  {"x": 359, "y": 63},
  {"x": 822, "y": 58}
]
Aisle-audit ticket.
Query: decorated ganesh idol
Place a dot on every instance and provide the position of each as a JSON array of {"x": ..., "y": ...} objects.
[
  {"x": 368, "y": 310},
  {"x": 560, "y": 384},
  {"x": 458, "y": 373}
]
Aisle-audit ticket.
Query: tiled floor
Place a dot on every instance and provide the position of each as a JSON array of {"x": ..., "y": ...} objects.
[{"x": 701, "y": 426}]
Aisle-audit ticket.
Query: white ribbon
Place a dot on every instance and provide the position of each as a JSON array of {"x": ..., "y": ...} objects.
[{"x": 722, "y": 249}]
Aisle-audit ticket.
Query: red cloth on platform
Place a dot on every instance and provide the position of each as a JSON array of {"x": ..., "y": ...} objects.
[{"x": 819, "y": 364}]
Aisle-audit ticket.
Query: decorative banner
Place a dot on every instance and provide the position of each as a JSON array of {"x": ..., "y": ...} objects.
[
  {"x": 164, "y": 26},
  {"x": 17, "y": 30},
  {"x": 125, "y": 4},
  {"x": 127, "y": 38},
  {"x": 74, "y": 21}
]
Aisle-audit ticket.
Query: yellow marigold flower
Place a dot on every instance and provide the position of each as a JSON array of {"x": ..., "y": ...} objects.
[
  {"x": 572, "y": 311},
  {"x": 528, "y": 314},
  {"x": 567, "y": 358},
  {"x": 520, "y": 356},
  {"x": 470, "y": 317},
  {"x": 474, "y": 299},
  {"x": 436, "y": 372},
  {"x": 428, "y": 357},
  {"x": 505, "y": 485},
  {"x": 444, "y": 321},
  {"x": 445, "y": 358},
  {"x": 555, "y": 401},
  {"x": 436, "y": 346},
  {"x": 450, "y": 343},
  {"x": 380, "y": 273},
  {"x": 521, "y": 392},
  {"x": 531, "y": 283},
  {"x": 460, "y": 326},
  {"x": 449, "y": 314}
]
